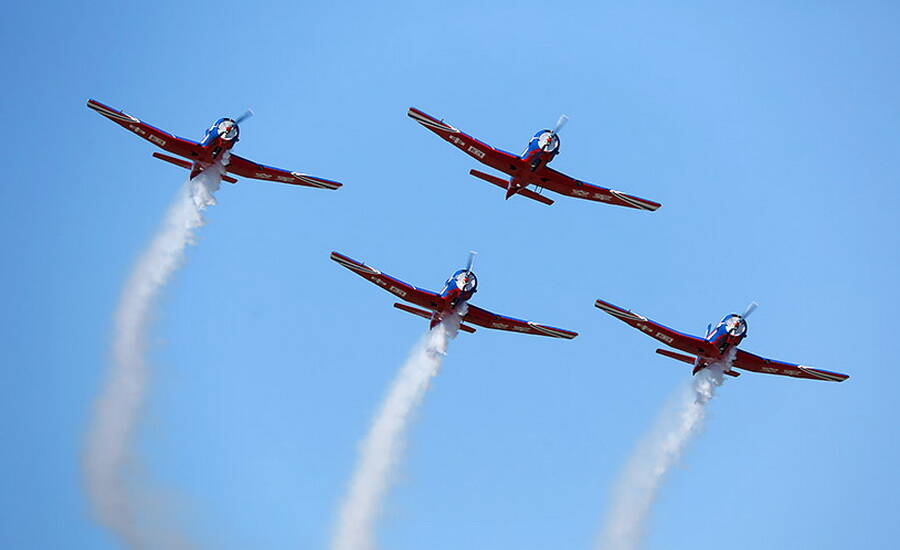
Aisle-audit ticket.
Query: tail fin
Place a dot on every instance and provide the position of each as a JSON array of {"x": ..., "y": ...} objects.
[
  {"x": 500, "y": 182},
  {"x": 427, "y": 315},
  {"x": 187, "y": 165}
]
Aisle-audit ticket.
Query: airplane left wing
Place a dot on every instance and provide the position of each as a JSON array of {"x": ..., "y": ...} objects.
[
  {"x": 666, "y": 335},
  {"x": 748, "y": 361},
  {"x": 164, "y": 140},
  {"x": 247, "y": 168},
  {"x": 477, "y": 149},
  {"x": 404, "y": 291},
  {"x": 566, "y": 185},
  {"x": 483, "y": 318}
]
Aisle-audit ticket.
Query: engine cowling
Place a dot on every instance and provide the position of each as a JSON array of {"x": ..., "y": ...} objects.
[
  {"x": 228, "y": 129},
  {"x": 549, "y": 142},
  {"x": 736, "y": 326}
]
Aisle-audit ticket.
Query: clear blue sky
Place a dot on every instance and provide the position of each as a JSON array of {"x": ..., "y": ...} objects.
[{"x": 768, "y": 132}]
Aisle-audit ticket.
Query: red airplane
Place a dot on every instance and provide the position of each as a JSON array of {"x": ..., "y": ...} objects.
[
  {"x": 456, "y": 293},
  {"x": 719, "y": 342},
  {"x": 219, "y": 138},
  {"x": 530, "y": 168}
]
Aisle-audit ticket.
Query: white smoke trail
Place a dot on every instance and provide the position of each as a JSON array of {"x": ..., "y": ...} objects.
[
  {"x": 382, "y": 447},
  {"x": 109, "y": 466},
  {"x": 639, "y": 483}
]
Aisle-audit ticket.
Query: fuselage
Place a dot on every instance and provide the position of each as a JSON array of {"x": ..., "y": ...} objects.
[
  {"x": 220, "y": 137},
  {"x": 724, "y": 337},
  {"x": 543, "y": 148},
  {"x": 458, "y": 289}
]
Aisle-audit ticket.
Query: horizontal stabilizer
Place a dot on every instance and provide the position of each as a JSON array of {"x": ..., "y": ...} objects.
[
  {"x": 677, "y": 356},
  {"x": 502, "y": 183},
  {"x": 690, "y": 361},
  {"x": 427, "y": 315},
  {"x": 414, "y": 310},
  {"x": 187, "y": 165}
]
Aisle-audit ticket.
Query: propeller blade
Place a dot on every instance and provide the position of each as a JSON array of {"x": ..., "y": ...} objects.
[
  {"x": 750, "y": 309},
  {"x": 471, "y": 261},
  {"x": 559, "y": 124},
  {"x": 247, "y": 114}
]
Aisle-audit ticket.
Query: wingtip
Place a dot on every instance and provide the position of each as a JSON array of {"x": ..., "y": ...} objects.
[{"x": 338, "y": 257}]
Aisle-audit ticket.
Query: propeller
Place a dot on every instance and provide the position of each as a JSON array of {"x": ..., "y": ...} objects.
[
  {"x": 247, "y": 114},
  {"x": 750, "y": 309},
  {"x": 470, "y": 262},
  {"x": 559, "y": 124}
]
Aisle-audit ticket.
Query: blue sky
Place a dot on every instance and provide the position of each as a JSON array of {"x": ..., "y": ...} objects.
[{"x": 768, "y": 132}]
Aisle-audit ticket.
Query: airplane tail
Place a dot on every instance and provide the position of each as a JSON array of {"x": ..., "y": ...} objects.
[
  {"x": 510, "y": 190},
  {"x": 188, "y": 165},
  {"x": 690, "y": 360},
  {"x": 428, "y": 315}
]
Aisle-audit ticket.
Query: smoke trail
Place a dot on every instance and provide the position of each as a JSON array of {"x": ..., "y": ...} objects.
[
  {"x": 381, "y": 449},
  {"x": 639, "y": 483},
  {"x": 109, "y": 466}
]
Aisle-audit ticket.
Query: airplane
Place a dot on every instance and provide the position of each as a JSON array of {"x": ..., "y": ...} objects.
[
  {"x": 719, "y": 342},
  {"x": 218, "y": 139},
  {"x": 529, "y": 169},
  {"x": 454, "y": 298}
]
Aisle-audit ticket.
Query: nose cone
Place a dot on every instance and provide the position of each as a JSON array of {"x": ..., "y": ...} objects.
[
  {"x": 549, "y": 143},
  {"x": 736, "y": 325},
  {"x": 465, "y": 281},
  {"x": 228, "y": 130}
]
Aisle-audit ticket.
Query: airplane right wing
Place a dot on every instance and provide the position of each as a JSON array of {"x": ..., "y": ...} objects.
[
  {"x": 483, "y": 318},
  {"x": 477, "y": 149},
  {"x": 748, "y": 361},
  {"x": 404, "y": 291},
  {"x": 666, "y": 335},
  {"x": 249, "y": 169},
  {"x": 164, "y": 140},
  {"x": 549, "y": 178}
]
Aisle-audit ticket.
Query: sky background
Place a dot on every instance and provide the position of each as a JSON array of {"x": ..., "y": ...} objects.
[{"x": 768, "y": 132}]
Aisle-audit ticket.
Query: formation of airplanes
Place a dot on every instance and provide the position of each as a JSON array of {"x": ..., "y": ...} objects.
[{"x": 528, "y": 175}]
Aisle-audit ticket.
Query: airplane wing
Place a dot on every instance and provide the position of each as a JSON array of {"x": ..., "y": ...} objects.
[
  {"x": 404, "y": 291},
  {"x": 247, "y": 168},
  {"x": 666, "y": 335},
  {"x": 479, "y": 150},
  {"x": 748, "y": 361},
  {"x": 180, "y": 146},
  {"x": 483, "y": 318},
  {"x": 565, "y": 185}
]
